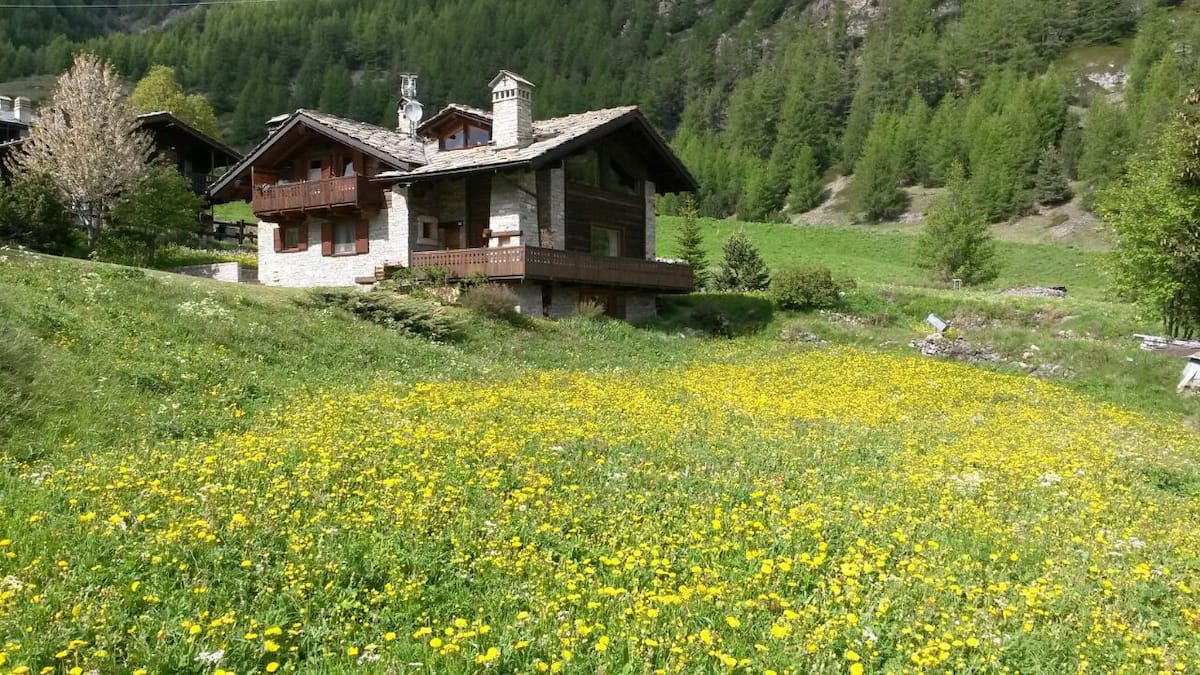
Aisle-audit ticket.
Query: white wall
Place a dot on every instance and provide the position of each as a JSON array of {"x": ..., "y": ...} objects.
[{"x": 388, "y": 233}]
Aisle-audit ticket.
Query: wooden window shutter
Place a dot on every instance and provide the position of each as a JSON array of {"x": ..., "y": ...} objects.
[
  {"x": 278, "y": 238},
  {"x": 362, "y": 243},
  {"x": 302, "y": 238},
  {"x": 326, "y": 238}
]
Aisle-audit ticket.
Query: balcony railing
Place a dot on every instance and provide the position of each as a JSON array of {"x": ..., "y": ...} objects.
[
  {"x": 348, "y": 191},
  {"x": 545, "y": 264}
]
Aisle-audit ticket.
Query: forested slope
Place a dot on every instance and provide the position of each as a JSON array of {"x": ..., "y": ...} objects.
[{"x": 761, "y": 97}]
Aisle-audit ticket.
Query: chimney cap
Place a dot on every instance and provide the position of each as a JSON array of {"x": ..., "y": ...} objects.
[{"x": 500, "y": 77}]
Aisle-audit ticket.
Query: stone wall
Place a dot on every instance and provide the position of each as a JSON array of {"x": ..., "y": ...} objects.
[
  {"x": 563, "y": 301},
  {"x": 388, "y": 232},
  {"x": 640, "y": 307},
  {"x": 232, "y": 272},
  {"x": 529, "y": 298},
  {"x": 514, "y": 209}
]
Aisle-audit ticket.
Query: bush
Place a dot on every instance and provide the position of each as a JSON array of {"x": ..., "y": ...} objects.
[
  {"x": 492, "y": 301},
  {"x": 807, "y": 288},
  {"x": 407, "y": 315},
  {"x": 32, "y": 214},
  {"x": 588, "y": 311}
]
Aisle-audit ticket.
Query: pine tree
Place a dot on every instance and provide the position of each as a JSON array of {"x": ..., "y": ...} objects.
[
  {"x": 1071, "y": 145},
  {"x": 910, "y": 141},
  {"x": 956, "y": 242},
  {"x": 1106, "y": 144},
  {"x": 690, "y": 243},
  {"x": 997, "y": 179},
  {"x": 742, "y": 268},
  {"x": 943, "y": 143},
  {"x": 805, "y": 186},
  {"x": 858, "y": 127},
  {"x": 876, "y": 188},
  {"x": 1053, "y": 186}
]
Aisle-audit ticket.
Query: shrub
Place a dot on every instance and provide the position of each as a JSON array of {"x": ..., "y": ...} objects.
[
  {"x": 807, "y": 288},
  {"x": 588, "y": 311},
  {"x": 33, "y": 214},
  {"x": 433, "y": 276},
  {"x": 492, "y": 301},
  {"x": 407, "y": 315},
  {"x": 956, "y": 242}
]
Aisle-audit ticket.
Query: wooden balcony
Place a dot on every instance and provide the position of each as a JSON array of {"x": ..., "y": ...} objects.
[
  {"x": 531, "y": 263},
  {"x": 316, "y": 195}
]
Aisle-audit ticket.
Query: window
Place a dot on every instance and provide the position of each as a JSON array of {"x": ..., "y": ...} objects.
[
  {"x": 455, "y": 140},
  {"x": 345, "y": 241},
  {"x": 622, "y": 180},
  {"x": 477, "y": 137},
  {"x": 290, "y": 238},
  {"x": 285, "y": 174},
  {"x": 606, "y": 241},
  {"x": 314, "y": 169},
  {"x": 427, "y": 230}
]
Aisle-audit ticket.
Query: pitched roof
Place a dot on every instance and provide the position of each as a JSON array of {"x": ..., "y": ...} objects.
[
  {"x": 400, "y": 147},
  {"x": 552, "y": 140},
  {"x": 452, "y": 109},
  {"x": 168, "y": 117},
  {"x": 387, "y": 145}
]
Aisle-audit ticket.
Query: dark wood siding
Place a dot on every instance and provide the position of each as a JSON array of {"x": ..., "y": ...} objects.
[{"x": 589, "y": 207}]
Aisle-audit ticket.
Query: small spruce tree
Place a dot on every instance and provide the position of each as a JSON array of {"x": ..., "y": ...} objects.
[
  {"x": 956, "y": 242},
  {"x": 742, "y": 268},
  {"x": 690, "y": 242},
  {"x": 1052, "y": 185}
]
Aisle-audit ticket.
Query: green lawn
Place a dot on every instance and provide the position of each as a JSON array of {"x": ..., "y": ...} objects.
[{"x": 878, "y": 254}]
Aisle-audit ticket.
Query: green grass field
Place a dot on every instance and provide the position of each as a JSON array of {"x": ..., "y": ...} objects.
[
  {"x": 879, "y": 254},
  {"x": 215, "y": 478}
]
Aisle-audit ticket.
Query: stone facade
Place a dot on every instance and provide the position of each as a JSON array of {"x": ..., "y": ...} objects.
[
  {"x": 512, "y": 111},
  {"x": 558, "y": 208},
  {"x": 640, "y": 307},
  {"x": 514, "y": 216},
  {"x": 389, "y": 230}
]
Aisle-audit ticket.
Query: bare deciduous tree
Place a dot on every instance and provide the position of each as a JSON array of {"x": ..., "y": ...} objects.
[{"x": 88, "y": 141}]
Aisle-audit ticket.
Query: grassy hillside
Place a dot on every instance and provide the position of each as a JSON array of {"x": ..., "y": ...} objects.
[
  {"x": 879, "y": 254},
  {"x": 217, "y": 478}
]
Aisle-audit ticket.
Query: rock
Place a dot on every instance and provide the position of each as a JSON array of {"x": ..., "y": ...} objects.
[{"x": 1038, "y": 291}]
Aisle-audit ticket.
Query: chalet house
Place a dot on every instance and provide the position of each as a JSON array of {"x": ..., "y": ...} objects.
[
  {"x": 561, "y": 210},
  {"x": 195, "y": 154}
]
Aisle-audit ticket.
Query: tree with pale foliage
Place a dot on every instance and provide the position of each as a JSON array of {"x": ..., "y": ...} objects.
[
  {"x": 1155, "y": 211},
  {"x": 88, "y": 141},
  {"x": 159, "y": 90}
]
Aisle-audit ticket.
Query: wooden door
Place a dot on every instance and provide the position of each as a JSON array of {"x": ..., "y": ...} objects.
[
  {"x": 479, "y": 210},
  {"x": 451, "y": 235}
]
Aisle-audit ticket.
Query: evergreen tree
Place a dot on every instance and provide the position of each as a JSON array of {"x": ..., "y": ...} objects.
[
  {"x": 858, "y": 127},
  {"x": 690, "y": 243},
  {"x": 805, "y": 187},
  {"x": 996, "y": 187},
  {"x": 1071, "y": 145},
  {"x": 956, "y": 242},
  {"x": 742, "y": 268},
  {"x": 1106, "y": 144},
  {"x": 1053, "y": 186},
  {"x": 876, "y": 188},
  {"x": 911, "y": 139},
  {"x": 943, "y": 142},
  {"x": 1158, "y": 97}
]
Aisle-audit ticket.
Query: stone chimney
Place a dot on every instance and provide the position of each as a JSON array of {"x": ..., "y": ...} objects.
[
  {"x": 512, "y": 110},
  {"x": 23, "y": 110},
  {"x": 6, "y": 106}
]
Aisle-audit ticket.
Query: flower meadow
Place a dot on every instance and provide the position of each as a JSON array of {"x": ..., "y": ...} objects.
[{"x": 826, "y": 511}]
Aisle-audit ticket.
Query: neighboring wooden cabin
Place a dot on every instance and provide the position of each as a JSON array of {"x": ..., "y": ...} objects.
[
  {"x": 562, "y": 210},
  {"x": 196, "y": 155}
]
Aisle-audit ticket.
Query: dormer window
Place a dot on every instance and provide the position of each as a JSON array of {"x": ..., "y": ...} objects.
[{"x": 464, "y": 136}]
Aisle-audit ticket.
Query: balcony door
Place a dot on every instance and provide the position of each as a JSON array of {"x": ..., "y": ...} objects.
[{"x": 479, "y": 210}]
